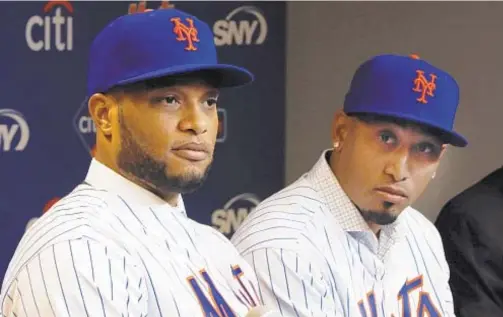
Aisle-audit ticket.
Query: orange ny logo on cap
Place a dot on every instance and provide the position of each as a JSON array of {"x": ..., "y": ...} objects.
[
  {"x": 423, "y": 86},
  {"x": 185, "y": 33}
]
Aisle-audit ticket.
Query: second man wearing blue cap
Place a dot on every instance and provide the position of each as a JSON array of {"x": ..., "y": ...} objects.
[{"x": 343, "y": 240}]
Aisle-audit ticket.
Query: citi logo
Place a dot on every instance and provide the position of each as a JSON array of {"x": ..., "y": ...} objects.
[{"x": 52, "y": 30}]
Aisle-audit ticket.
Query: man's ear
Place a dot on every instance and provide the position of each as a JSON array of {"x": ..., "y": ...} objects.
[
  {"x": 100, "y": 108},
  {"x": 340, "y": 129},
  {"x": 443, "y": 150}
]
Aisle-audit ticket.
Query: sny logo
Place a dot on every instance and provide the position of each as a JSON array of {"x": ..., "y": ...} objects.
[
  {"x": 241, "y": 32},
  {"x": 423, "y": 86},
  {"x": 185, "y": 33},
  {"x": 9, "y": 131},
  {"x": 52, "y": 26},
  {"x": 233, "y": 213}
]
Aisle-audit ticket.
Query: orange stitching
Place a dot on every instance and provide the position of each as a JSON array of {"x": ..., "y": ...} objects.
[
  {"x": 142, "y": 7},
  {"x": 424, "y": 86},
  {"x": 185, "y": 33}
]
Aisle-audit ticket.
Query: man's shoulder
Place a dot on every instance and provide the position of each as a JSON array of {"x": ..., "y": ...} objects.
[
  {"x": 77, "y": 216},
  {"x": 79, "y": 209},
  {"x": 412, "y": 213},
  {"x": 298, "y": 199},
  {"x": 416, "y": 223},
  {"x": 281, "y": 219},
  {"x": 75, "y": 210}
]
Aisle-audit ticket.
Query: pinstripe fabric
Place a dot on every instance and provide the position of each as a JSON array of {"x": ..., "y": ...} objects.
[
  {"x": 111, "y": 248},
  {"x": 314, "y": 255}
]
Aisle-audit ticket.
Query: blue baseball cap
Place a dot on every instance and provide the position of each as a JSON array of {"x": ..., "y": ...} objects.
[
  {"x": 408, "y": 88},
  {"x": 164, "y": 42}
]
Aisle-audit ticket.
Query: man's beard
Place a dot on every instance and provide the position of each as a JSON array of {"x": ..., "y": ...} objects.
[
  {"x": 384, "y": 217},
  {"x": 134, "y": 161}
]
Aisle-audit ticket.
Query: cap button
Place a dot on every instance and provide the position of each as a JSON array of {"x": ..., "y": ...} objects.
[{"x": 414, "y": 56}]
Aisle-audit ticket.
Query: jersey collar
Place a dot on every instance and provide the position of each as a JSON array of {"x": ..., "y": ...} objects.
[
  {"x": 102, "y": 177},
  {"x": 343, "y": 209}
]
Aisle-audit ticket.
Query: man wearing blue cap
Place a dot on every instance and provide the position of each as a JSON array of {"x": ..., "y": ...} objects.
[
  {"x": 120, "y": 244},
  {"x": 343, "y": 240}
]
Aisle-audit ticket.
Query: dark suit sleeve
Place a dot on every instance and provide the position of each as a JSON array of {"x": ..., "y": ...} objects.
[{"x": 472, "y": 234}]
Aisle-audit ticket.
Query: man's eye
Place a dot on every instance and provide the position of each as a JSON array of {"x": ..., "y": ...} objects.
[
  {"x": 387, "y": 137},
  {"x": 425, "y": 148},
  {"x": 211, "y": 102},
  {"x": 170, "y": 101}
]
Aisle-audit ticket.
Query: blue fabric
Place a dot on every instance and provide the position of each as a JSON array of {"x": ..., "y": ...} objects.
[
  {"x": 141, "y": 46},
  {"x": 409, "y": 88}
]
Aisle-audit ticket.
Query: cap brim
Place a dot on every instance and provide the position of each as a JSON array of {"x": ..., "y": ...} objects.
[
  {"x": 229, "y": 75},
  {"x": 449, "y": 137}
]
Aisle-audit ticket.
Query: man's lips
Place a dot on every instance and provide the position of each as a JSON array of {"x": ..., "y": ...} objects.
[
  {"x": 392, "y": 194},
  {"x": 192, "y": 151}
]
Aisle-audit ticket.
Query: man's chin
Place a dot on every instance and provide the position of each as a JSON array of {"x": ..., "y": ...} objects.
[
  {"x": 187, "y": 186},
  {"x": 189, "y": 180},
  {"x": 380, "y": 217},
  {"x": 188, "y": 189}
]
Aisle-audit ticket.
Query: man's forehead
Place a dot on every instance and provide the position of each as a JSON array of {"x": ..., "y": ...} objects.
[
  {"x": 199, "y": 78},
  {"x": 398, "y": 123},
  {"x": 209, "y": 80}
]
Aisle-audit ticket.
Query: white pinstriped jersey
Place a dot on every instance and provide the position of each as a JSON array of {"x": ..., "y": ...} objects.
[
  {"x": 113, "y": 249},
  {"x": 314, "y": 255}
]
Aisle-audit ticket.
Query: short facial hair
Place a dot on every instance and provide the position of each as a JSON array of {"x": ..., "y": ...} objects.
[
  {"x": 381, "y": 218},
  {"x": 136, "y": 162}
]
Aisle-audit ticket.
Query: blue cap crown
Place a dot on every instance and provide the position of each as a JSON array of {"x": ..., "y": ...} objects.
[
  {"x": 409, "y": 88},
  {"x": 164, "y": 42}
]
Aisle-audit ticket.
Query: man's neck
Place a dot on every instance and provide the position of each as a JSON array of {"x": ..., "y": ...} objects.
[
  {"x": 376, "y": 229},
  {"x": 170, "y": 198}
]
